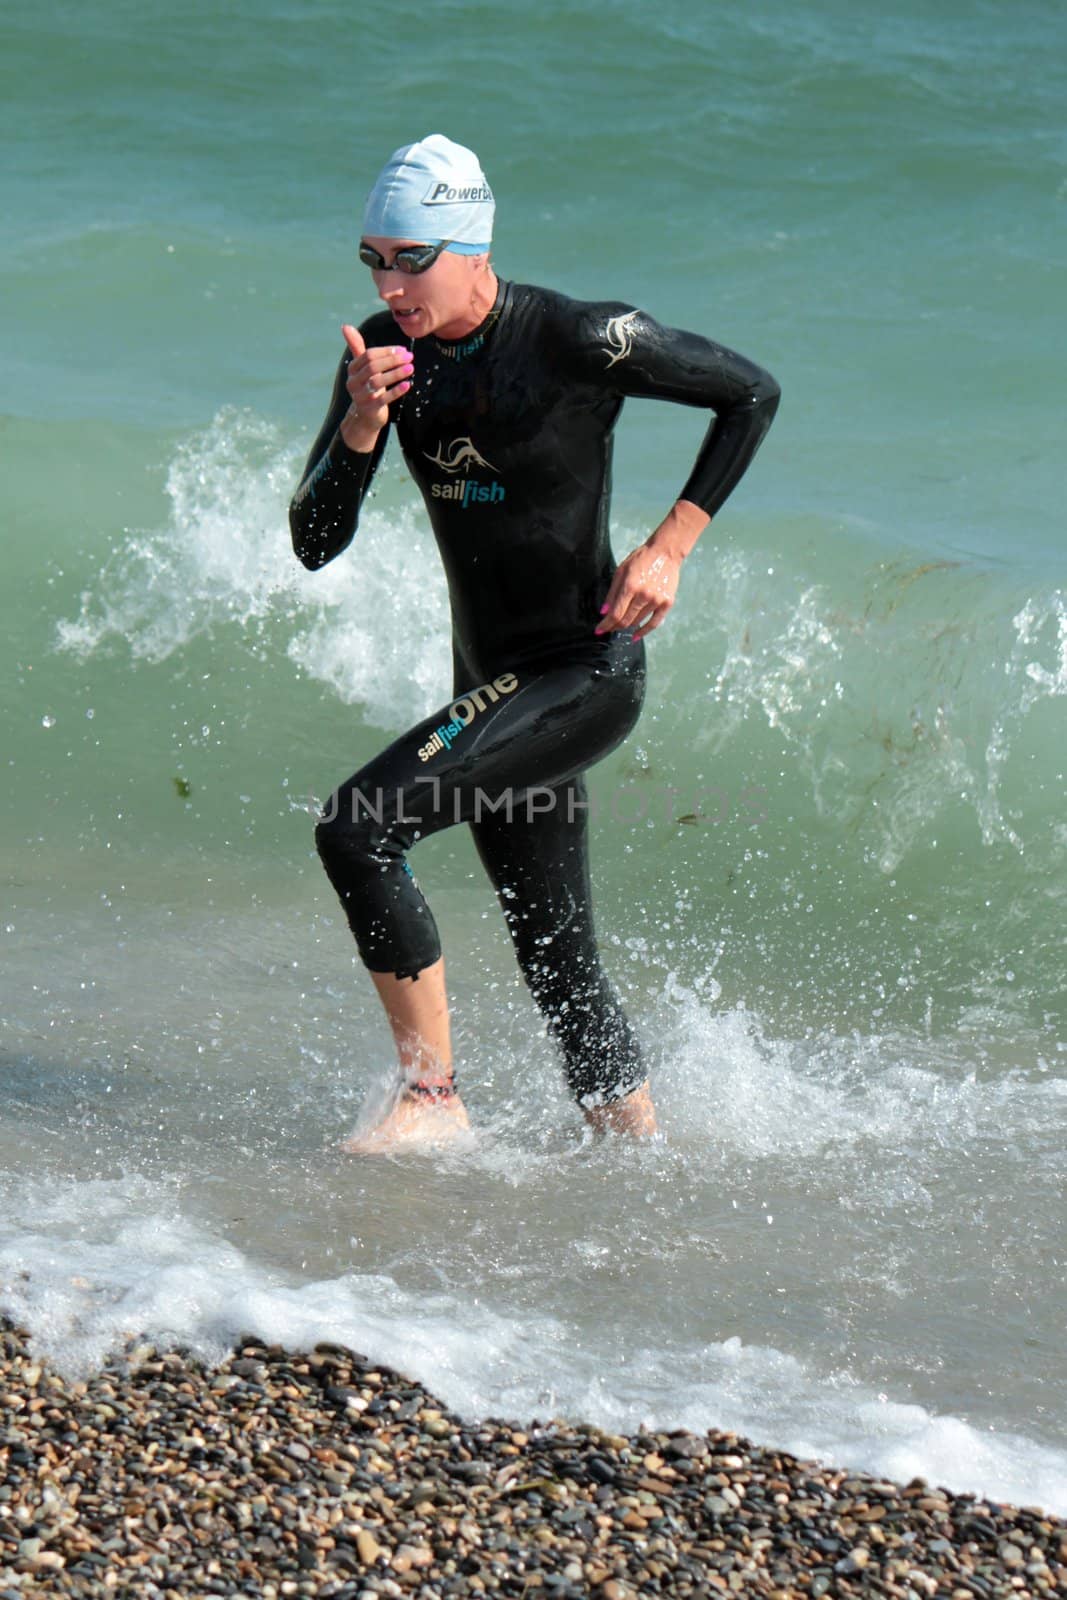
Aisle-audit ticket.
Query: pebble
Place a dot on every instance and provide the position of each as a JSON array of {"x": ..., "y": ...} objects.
[
  {"x": 855, "y": 1561},
  {"x": 368, "y": 1547},
  {"x": 289, "y": 1473}
]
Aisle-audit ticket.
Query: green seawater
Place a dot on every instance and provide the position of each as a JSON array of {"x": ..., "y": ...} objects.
[{"x": 829, "y": 863}]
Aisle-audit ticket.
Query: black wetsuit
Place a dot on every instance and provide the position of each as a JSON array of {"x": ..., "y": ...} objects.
[{"x": 508, "y": 435}]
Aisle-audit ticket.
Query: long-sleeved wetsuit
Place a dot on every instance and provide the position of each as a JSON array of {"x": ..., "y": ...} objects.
[{"x": 508, "y": 435}]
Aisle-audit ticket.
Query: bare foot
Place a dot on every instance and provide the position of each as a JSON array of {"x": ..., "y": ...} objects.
[
  {"x": 411, "y": 1123},
  {"x": 634, "y": 1114}
]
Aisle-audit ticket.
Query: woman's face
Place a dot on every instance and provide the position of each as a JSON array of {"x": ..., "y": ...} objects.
[{"x": 434, "y": 301}]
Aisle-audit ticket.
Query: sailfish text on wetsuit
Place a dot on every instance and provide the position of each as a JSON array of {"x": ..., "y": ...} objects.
[
  {"x": 464, "y": 711},
  {"x": 468, "y": 491}
]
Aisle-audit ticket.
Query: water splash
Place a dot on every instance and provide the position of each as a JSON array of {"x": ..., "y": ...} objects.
[{"x": 372, "y": 626}]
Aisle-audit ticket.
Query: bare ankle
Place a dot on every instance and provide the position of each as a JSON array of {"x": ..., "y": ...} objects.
[
  {"x": 431, "y": 1091},
  {"x": 632, "y": 1113}
]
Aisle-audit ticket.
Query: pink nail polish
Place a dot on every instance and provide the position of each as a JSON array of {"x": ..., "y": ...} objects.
[{"x": 603, "y": 608}]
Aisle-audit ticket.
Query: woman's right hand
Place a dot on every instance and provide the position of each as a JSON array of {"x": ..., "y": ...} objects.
[{"x": 376, "y": 378}]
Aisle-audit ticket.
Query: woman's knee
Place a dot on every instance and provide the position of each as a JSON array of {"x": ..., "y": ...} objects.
[{"x": 349, "y": 832}]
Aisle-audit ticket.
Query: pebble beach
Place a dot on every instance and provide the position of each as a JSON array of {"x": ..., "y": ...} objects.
[
  {"x": 828, "y": 867},
  {"x": 320, "y": 1473}
]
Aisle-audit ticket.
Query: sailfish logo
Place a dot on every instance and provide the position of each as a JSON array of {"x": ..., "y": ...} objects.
[
  {"x": 460, "y": 451},
  {"x": 459, "y": 457},
  {"x": 620, "y": 336}
]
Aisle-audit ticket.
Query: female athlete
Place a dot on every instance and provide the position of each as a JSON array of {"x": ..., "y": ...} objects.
[{"x": 503, "y": 397}]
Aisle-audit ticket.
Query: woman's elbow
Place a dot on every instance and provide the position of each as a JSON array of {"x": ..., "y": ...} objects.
[
  {"x": 767, "y": 393},
  {"x": 308, "y": 551},
  {"x": 311, "y": 559}
]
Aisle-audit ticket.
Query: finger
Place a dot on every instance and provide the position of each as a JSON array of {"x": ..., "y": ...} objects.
[
  {"x": 378, "y": 370},
  {"x": 364, "y": 394},
  {"x": 609, "y": 621},
  {"x": 372, "y": 407},
  {"x": 620, "y": 619},
  {"x": 353, "y": 339},
  {"x": 395, "y": 390},
  {"x": 389, "y": 377},
  {"x": 394, "y": 368},
  {"x": 365, "y": 382},
  {"x": 639, "y": 605},
  {"x": 654, "y": 621},
  {"x": 609, "y": 602}
]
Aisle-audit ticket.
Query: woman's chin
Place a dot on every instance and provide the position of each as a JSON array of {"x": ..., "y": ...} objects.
[{"x": 413, "y": 324}]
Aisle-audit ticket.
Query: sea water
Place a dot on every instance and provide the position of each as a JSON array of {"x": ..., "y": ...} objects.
[{"x": 830, "y": 861}]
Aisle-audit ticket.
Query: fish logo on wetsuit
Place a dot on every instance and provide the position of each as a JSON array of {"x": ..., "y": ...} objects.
[
  {"x": 620, "y": 336},
  {"x": 462, "y": 453}
]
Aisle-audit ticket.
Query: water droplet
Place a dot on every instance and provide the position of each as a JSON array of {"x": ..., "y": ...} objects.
[{"x": 48, "y": 722}]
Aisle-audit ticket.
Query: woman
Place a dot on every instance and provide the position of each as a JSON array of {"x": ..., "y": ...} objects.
[{"x": 504, "y": 397}]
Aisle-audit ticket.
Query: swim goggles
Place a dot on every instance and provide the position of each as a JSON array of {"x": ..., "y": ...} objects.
[{"x": 412, "y": 258}]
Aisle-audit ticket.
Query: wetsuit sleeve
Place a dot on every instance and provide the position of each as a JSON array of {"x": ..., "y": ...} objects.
[
  {"x": 630, "y": 354},
  {"x": 324, "y": 511}
]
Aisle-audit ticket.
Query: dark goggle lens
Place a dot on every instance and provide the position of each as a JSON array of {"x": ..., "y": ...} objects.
[{"x": 414, "y": 258}]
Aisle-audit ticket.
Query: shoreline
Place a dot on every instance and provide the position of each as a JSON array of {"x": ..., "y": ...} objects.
[{"x": 320, "y": 1473}]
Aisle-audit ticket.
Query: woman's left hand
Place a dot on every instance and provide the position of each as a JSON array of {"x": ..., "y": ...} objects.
[{"x": 642, "y": 591}]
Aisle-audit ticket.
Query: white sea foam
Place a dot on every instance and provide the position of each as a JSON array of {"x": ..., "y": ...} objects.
[
  {"x": 373, "y": 625},
  {"x": 805, "y": 1102},
  {"x": 146, "y": 1269}
]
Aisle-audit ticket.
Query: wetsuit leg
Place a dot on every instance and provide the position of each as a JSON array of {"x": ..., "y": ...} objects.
[
  {"x": 495, "y": 751},
  {"x": 539, "y": 866}
]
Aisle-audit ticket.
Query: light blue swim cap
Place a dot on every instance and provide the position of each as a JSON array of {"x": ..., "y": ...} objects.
[{"x": 430, "y": 191}]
